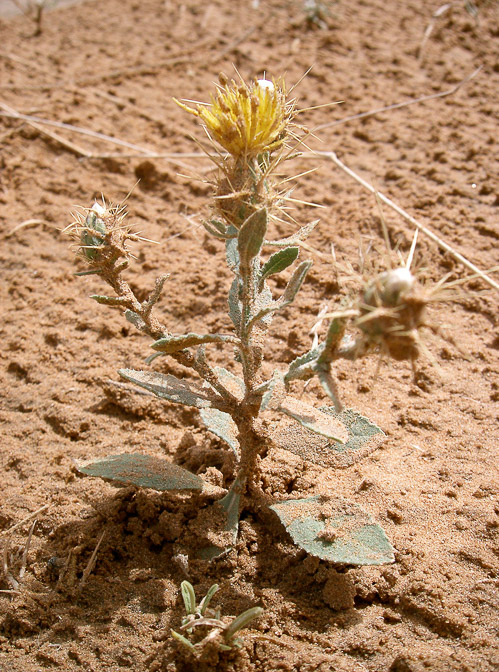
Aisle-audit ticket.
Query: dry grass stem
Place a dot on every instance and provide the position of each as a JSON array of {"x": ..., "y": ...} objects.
[
  {"x": 396, "y": 106},
  {"x": 26, "y": 550},
  {"x": 91, "y": 563},
  {"x": 24, "y": 520},
  {"x": 37, "y": 122},
  {"x": 441, "y": 243},
  {"x": 29, "y": 223}
]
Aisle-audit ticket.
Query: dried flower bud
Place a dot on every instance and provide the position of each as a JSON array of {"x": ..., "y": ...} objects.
[
  {"x": 92, "y": 234},
  {"x": 101, "y": 235}
]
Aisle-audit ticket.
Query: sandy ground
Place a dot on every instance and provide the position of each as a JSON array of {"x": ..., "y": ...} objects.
[{"x": 112, "y": 67}]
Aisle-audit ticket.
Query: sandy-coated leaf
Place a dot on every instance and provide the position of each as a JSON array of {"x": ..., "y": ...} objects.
[
  {"x": 274, "y": 393},
  {"x": 144, "y": 471},
  {"x": 233, "y": 383},
  {"x": 363, "y": 437},
  {"x": 335, "y": 530},
  {"x": 314, "y": 420},
  {"x": 171, "y": 344},
  {"x": 230, "y": 508},
  {"x": 167, "y": 387}
]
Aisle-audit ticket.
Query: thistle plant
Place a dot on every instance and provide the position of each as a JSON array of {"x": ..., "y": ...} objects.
[{"x": 254, "y": 125}]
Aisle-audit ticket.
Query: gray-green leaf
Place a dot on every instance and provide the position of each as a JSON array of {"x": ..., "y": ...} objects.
[
  {"x": 222, "y": 425},
  {"x": 364, "y": 437},
  {"x": 329, "y": 385},
  {"x": 295, "y": 282},
  {"x": 251, "y": 236},
  {"x": 135, "y": 319},
  {"x": 234, "y": 302},
  {"x": 335, "y": 530},
  {"x": 314, "y": 420},
  {"x": 167, "y": 387},
  {"x": 301, "y": 234},
  {"x": 231, "y": 252},
  {"x": 144, "y": 471}
]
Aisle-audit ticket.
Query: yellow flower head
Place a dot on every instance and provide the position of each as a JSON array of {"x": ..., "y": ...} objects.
[{"x": 246, "y": 120}]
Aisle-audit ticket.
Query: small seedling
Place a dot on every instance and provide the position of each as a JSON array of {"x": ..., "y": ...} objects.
[
  {"x": 204, "y": 626},
  {"x": 251, "y": 413}
]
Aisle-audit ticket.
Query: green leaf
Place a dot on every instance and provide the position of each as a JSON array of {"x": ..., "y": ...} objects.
[
  {"x": 167, "y": 387},
  {"x": 144, "y": 471},
  {"x": 251, "y": 236},
  {"x": 242, "y": 621},
  {"x": 217, "y": 229},
  {"x": 184, "y": 641},
  {"x": 203, "y": 606},
  {"x": 278, "y": 262},
  {"x": 295, "y": 282},
  {"x": 152, "y": 357},
  {"x": 171, "y": 344},
  {"x": 335, "y": 530},
  {"x": 363, "y": 437},
  {"x": 222, "y": 425},
  {"x": 108, "y": 300},
  {"x": 188, "y": 596},
  {"x": 314, "y": 420}
]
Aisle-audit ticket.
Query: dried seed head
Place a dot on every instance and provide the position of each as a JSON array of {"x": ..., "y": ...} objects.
[
  {"x": 388, "y": 288},
  {"x": 392, "y": 310}
]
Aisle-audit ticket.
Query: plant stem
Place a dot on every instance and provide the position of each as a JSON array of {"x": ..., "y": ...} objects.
[{"x": 153, "y": 328}]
